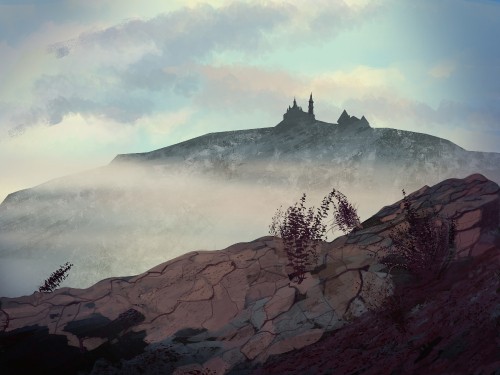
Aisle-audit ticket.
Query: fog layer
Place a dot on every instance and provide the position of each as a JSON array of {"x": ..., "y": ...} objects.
[{"x": 123, "y": 219}]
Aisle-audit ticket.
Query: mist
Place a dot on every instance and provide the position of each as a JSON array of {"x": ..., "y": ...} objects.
[{"x": 122, "y": 220}]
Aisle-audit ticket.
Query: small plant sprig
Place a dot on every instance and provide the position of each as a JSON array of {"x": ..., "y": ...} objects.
[{"x": 55, "y": 279}]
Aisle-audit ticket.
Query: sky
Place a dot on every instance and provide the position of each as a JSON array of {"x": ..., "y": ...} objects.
[{"x": 84, "y": 80}]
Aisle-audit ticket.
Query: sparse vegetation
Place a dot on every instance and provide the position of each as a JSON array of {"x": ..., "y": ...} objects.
[
  {"x": 423, "y": 245},
  {"x": 450, "y": 326},
  {"x": 55, "y": 279},
  {"x": 302, "y": 229}
]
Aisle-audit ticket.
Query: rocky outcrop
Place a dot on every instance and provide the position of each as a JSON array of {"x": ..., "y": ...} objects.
[
  {"x": 450, "y": 325},
  {"x": 472, "y": 202},
  {"x": 233, "y": 309}
]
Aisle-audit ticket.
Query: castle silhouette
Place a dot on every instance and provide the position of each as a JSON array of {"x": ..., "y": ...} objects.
[{"x": 296, "y": 113}]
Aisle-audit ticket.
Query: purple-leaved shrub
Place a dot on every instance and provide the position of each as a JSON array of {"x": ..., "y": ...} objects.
[
  {"x": 423, "y": 245},
  {"x": 302, "y": 229}
]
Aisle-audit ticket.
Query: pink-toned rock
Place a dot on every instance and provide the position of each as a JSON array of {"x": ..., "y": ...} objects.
[
  {"x": 340, "y": 290},
  {"x": 186, "y": 314},
  {"x": 89, "y": 343},
  {"x": 389, "y": 217},
  {"x": 272, "y": 274},
  {"x": 114, "y": 305},
  {"x": 281, "y": 301},
  {"x": 191, "y": 270},
  {"x": 295, "y": 342},
  {"x": 166, "y": 299},
  {"x": 309, "y": 282},
  {"x": 480, "y": 248},
  {"x": 214, "y": 273},
  {"x": 242, "y": 258},
  {"x": 465, "y": 240},
  {"x": 210, "y": 257},
  {"x": 244, "y": 334},
  {"x": 314, "y": 305},
  {"x": 468, "y": 220},
  {"x": 193, "y": 368},
  {"x": 252, "y": 273},
  {"x": 223, "y": 309},
  {"x": 201, "y": 290},
  {"x": 261, "y": 290},
  {"x": 233, "y": 357},
  {"x": 269, "y": 327},
  {"x": 269, "y": 259},
  {"x": 257, "y": 344},
  {"x": 236, "y": 285},
  {"x": 217, "y": 365},
  {"x": 475, "y": 177}
]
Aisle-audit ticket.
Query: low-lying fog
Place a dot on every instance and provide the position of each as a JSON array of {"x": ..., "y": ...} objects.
[{"x": 124, "y": 220}]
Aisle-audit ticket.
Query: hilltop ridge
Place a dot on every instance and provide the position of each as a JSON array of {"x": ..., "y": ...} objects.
[{"x": 364, "y": 154}]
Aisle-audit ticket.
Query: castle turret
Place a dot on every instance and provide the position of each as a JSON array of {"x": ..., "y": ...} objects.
[{"x": 311, "y": 105}]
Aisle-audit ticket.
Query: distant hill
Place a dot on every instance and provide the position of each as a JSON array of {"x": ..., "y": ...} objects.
[{"x": 348, "y": 152}]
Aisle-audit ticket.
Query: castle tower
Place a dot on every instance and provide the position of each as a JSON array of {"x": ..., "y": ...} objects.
[{"x": 295, "y": 113}]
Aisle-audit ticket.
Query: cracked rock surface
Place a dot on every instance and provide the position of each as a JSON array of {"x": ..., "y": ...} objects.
[{"x": 233, "y": 308}]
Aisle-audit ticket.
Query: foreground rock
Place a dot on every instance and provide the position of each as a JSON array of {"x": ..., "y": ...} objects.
[
  {"x": 235, "y": 310},
  {"x": 449, "y": 325}
]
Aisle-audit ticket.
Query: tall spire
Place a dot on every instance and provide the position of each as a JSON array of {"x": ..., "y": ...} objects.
[
  {"x": 294, "y": 102},
  {"x": 311, "y": 105}
]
